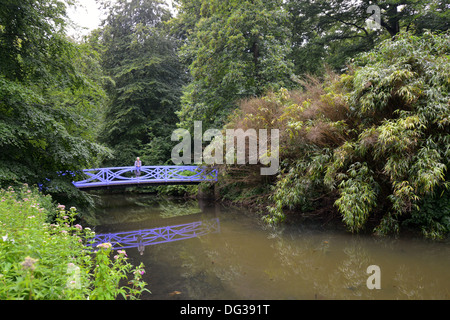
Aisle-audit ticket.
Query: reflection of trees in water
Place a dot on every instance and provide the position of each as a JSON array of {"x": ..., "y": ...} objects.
[
  {"x": 126, "y": 201},
  {"x": 135, "y": 208},
  {"x": 123, "y": 208},
  {"x": 169, "y": 209},
  {"x": 226, "y": 272},
  {"x": 300, "y": 269},
  {"x": 307, "y": 267},
  {"x": 350, "y": 276},
  {"x": 239, "y": 264},
  {"x": 410, "y": 286},
  {"x": 198, "y": 272},
  {"x": 324, "y": 269},
  {"x": 411, "y": 282},
  {"x": 220, "y": 269},
  {"x": 276, "y": 265},
  {"x": 338, "y": 270}
]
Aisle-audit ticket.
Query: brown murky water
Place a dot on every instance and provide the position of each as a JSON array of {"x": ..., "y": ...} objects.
[{"x": 240, "y": 258}]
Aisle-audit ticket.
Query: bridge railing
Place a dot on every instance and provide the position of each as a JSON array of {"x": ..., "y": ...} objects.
[{"x": 101, "y": 177}]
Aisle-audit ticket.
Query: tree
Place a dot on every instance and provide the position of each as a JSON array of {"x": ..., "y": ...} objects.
[
  {"x": 47, "y": 100},
  {"x": 332, "y": 32},
  {"x": 234, "y": 49},
  {"x": 146, "y": 80},
  {"x": 32, "y": 41}
]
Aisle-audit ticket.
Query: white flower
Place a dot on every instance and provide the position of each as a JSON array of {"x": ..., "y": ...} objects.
[{"x": 5, "y": 238}]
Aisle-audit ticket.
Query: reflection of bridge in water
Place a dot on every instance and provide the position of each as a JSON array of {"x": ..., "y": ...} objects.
[{"x": 146, "y": 237}]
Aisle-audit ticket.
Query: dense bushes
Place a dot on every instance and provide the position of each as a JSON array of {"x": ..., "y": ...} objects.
[
  {"x": 51, "y": 261},
  {"x": 376, "y": 139}
]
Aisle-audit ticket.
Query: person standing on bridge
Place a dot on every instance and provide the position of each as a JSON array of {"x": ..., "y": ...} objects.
[{"x": 137, "y": 165}]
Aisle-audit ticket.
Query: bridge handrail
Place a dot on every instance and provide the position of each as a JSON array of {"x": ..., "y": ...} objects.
[
  {"x": 147, "y": 167},
  {"x": 114, "y": 175}
]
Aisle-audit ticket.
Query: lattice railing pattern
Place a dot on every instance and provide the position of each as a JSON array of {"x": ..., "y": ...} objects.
[{"x": 102, "y": 177}]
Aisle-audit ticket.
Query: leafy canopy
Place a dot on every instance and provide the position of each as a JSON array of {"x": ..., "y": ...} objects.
[
  {"x": 146, "y": 79},
  {"x": 234, "y": 49}
]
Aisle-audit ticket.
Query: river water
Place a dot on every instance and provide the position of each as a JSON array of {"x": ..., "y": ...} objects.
[{"x": 196, "y": 250}]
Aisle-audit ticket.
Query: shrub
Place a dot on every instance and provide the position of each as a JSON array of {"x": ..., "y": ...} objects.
[
  {"x": 432, "y": 215},
  {"x": 378, "y": 136},
  {"x": 398, "y": 96},
  {"x": 53, "y": 261}
]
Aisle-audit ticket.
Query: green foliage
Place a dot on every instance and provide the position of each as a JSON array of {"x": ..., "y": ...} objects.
[
  {"x": 40, "y": 260},
  {"x": 432, "y": 215},
  {"x": 179, "y": 190},
  {"x": 234, "y": 49},
  {"x": 38, "y": 140},
  {"x": 298, "y": 186},
  {"x": 146, "y": 79},
  {"x": 50, "y": 100},
  {"x": 404, "y": 108},
  {"x": 32, "y": 41},
  {"x": 107, "y": 276},
  {"x": 375, "y": 138},
  {"x": 358, "y": 196},
  {"x": 333, "y": 32},
  {"x": 394, "y": 128}
]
